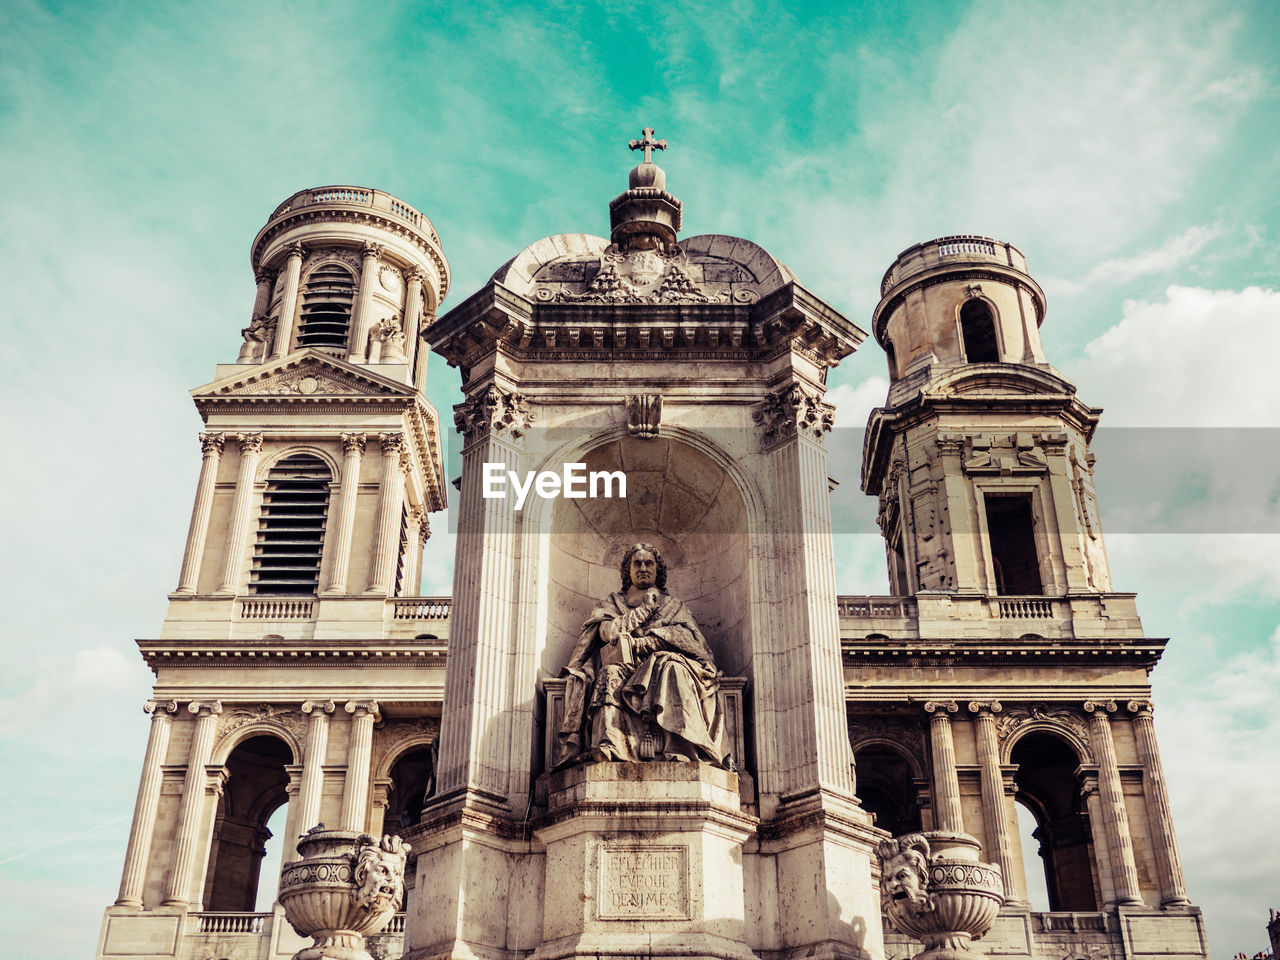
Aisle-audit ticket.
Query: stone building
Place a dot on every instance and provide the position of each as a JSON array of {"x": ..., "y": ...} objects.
[{"x": 298, "y": 665}]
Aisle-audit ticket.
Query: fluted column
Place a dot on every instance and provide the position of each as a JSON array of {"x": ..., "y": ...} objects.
[
  {"x": 995, "y": 813},
  {"x": 413, "y": 316},
  {"x": 262, "y": 298},
  {"x": 946, "y": 782},
  {"x": 241, "y": 510},
  {"x": 144, "y": 810},
  {"x": 364, "y": 302},
  {"x": 355, "y": 792},
  {"x": 1115, "y": 819},
  {"x": 198, "y": 530},
  {"x": 288, "y": 300},
  {"x": 1173, "y": 885},
  {"x": 390, "y": 499},
  {"x": 312, "y": 787},
  {"x": 192, "y": 805},
  {"x": 417, "y": 532},
  {"x": 344, "y": 523}
]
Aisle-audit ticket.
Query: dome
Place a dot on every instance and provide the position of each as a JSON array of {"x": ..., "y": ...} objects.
[{"x": 710, "y": 268}]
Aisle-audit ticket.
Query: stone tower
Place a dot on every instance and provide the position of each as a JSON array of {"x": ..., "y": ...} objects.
[
  {"x": 1004, "y": 669},
  {"x": 296, "y": 663}
]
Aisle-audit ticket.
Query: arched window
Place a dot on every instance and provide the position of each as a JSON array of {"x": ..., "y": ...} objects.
[
  {"x": 1050, "y": 789},
  {"x": 327, "y": 301},
  {"x": 887, "y": 788},
  {"x": 413, "y": 778},
  {"x": 257, "y": 787},
  {"x": 978, "y": 328},
  {"x": 286, "y": 555}
]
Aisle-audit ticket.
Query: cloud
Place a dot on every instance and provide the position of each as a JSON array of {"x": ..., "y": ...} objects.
[{"x": 1175, "y": 252}]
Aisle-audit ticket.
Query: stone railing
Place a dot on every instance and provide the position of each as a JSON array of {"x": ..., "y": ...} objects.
[
  {"x": 878, "y": 607},
  {"x": 1069, "y": 922},
  {"x": 277, "y": 608},
  {"x": 231, "y": 922},
  {"x": 422, "y": 608},
  {"x": 342, "y": 195},
  {"x": 933, "y": 253},
  {"x": 1025, "y": 608}
]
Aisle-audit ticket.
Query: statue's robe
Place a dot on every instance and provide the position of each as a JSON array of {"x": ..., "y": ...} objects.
[{"x": 670, "y": 681}]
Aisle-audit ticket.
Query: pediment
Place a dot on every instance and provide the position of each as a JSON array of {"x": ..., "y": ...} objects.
[{"x": 309, "y": 374}]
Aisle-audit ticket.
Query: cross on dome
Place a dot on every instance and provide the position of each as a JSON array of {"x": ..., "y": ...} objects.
[{"x": 648, "y": 144}]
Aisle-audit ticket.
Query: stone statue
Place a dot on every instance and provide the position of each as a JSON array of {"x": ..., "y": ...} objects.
[
  {"x": 379, "y": 873},
  {"x": 641, "y": 681}
]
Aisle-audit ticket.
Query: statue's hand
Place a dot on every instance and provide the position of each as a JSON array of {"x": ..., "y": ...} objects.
[
  {"x": 608, "y": 631},
  {"x": 653, "y": 596}
]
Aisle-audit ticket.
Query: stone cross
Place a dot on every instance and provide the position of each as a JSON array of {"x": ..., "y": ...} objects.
[{"x": 648, "y": 144}]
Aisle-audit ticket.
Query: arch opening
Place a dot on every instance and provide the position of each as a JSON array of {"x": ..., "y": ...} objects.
[
  {"x": 887, "y": 788},
  {"x": 978, "y": 328},
  {"x": 256, "y": 790},
  {"x": 1048, "y": 785},
  {"x": 413, "y": 779}
]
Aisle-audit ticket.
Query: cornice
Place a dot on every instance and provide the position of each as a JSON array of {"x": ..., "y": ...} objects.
[
  {"x": 267, "y": 653},
  {"x": 1144, "y": 651},
  {"x": 948, "y": 273}
]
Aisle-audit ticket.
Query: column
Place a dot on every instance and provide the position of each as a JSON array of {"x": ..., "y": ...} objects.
[
  {"x": 262, "y": 299},
  {"x": 312, "y": 788},
  {"x": 288, "y": 301},
  {"x": 995, "y": 813},
  {"x": 364, "y": 302},
  {"x": 192, "y": 805},
  {"x": 1115, "y": 819},
  {"x": 413, "y": 316},
  {"x": 189, "y": 577},
  {"x": 418, "y": 531},
  {"x": 344, "y": 522},
  {"x": 1173, "y": 886},
  {"x": 946, "y": 782},
  {"x": 355, "y": 793},
  {"x": 242, "y": 507},
  {"x": 144, "y": 811},
  {"x": 390, "y": 498}
]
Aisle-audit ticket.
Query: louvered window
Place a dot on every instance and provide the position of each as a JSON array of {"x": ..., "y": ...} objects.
[
  {"x": 327, "y": 301},
  {"x": 286, "y": 556}
]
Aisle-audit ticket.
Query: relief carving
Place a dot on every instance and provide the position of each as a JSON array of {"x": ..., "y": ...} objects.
[
  {"x": 493, "y": 410},
  {"x": 644, "y": 415},
  {"x": 1061, "y": 720},
  {"x": 793, "y": 411}
]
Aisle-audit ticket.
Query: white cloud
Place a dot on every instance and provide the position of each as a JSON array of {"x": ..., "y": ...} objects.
[{"x": 1175, "y": 252}]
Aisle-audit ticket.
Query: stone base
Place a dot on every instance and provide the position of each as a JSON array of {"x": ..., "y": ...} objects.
[{"x": 644, "y": 859}]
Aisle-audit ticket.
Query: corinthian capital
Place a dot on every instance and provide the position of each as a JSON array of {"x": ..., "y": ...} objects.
[
  {"x": 264, "y": 276},
  {"x": 794, "y": 410},
  {"x": 392, "y": 444},
  {"x": 353, "y": 443},
  {"x": 297, "y": 249},
  {"x": 371, "y": 250},
  {"x": 211, "y": 444},
  {"x": 249, "y": 442},
  {"x": 493, "y": 410}
]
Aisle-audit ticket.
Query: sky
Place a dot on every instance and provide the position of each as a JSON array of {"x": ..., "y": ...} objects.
[{"x": 1130, "y": 150}]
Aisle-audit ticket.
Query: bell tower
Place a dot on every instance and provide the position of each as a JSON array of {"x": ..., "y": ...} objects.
[
  {"x": 1004, "y": 672},
  {"x": 297, "y": 664}
]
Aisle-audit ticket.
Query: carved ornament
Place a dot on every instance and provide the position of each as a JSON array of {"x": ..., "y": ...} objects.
[
  {"x": 211, "y": 444},
  {"x": 1066, "y": 722},
  {"x": 260, "y": 329},
  {"x": 160, "y": 708},
  {"x": 493, "y": 410},
  {"x": 266, "y": 714},
  {"x": 1004, "y": 454},
  {"x": 363, "y": 708},
  {"x": 644, "y": 415},
  {"x": 370, "y": 250},
  {"x": 793, "y": 411},
  {"x": 250, "y": 443},
  {"x": 1141, "y": 708},
  {"x": 904, "y": 731},
  {"x": 353, "y": 443}
]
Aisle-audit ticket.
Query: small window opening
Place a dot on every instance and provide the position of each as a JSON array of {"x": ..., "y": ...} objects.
[
  {"x": 286, "y": 555},
  {"x": 892, "y": 358},
  {"x": 898, "y": 566},
  {"x": 979, "y": 329},
  {"x": 1011, "y": 527},
  {"x": 327, "y": 302},
  {"x": 887, "y": 788}
]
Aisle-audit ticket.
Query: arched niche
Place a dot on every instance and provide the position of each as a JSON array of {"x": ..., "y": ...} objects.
[{"x": 679, "y": 500}]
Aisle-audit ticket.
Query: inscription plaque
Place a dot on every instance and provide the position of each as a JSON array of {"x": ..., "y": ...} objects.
[{"x": 643, "y": 882}]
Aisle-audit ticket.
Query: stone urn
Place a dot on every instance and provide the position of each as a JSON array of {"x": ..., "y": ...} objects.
[
  {"x": 934, "y": 888},
  {"x": 346, "y": 886}
]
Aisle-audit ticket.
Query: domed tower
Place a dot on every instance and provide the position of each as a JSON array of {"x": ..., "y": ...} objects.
[
  {"x": 980, "y": 458},
  {"x": 296, "y": 627}
]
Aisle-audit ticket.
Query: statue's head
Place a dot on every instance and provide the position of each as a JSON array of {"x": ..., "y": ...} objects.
[
  {"x": 379, "y": 873},
  {"x": 904, "y": 873},
  {"x": 657, "y": 570}
]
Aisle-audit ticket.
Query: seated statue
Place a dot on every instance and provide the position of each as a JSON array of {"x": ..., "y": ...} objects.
[{"x": 641, "y": 683}]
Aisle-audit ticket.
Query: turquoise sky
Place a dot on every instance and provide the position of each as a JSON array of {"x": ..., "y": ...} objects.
[{"x": 1129, "y": 149}]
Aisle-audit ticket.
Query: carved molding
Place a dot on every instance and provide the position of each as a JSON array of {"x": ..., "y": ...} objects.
[
  {"x": 493, "y": 411},
  {"x": 284, "y": 720},
  {"x": 794, "y": 410}
]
